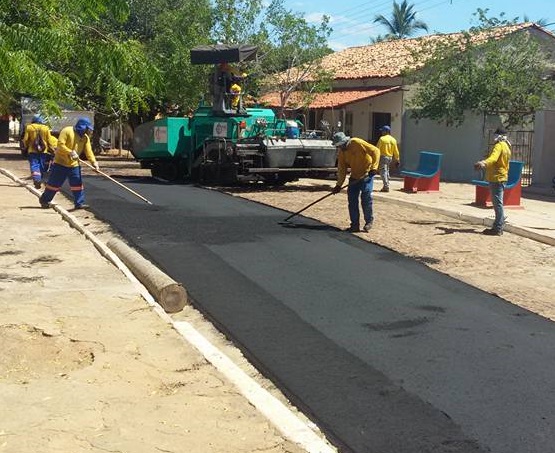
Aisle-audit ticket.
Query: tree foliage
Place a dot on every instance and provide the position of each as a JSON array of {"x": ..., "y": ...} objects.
[
  {"x": 291, "y": 53},
  {"x": 132, "y": 57},
  {"x": 28, "y": 49},
  {"x": 481, "y": 72},
  {"x": 177, "y": 31},
  {"x": 236, "y": 21},
  {"x": 402, "y": 23},
  {"x": 76, "y": 58}
]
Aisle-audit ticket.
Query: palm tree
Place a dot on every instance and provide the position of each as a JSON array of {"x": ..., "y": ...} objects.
[
  {"x": 542, "y": 22},
  {"x": 403, "y": 21}
]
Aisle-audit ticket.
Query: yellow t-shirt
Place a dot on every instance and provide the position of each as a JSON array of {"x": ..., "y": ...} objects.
[
  {"x": 497, "y": 163},
  {"x": 388, "y": 147},
  {"x": 235, "y": 90},
  {"x": 31, "y": 133},
  {"x": 360, "y": 156},
  {"x": 69, "y": 141}
]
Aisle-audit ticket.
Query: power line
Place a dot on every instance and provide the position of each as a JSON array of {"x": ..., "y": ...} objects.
[
  {"x": 358, "y": 27},
  {"x": 382, "y": 12}
]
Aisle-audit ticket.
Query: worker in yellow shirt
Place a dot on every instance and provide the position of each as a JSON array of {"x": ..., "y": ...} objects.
[
  {"x": 73, "y": 141},
  {"x": 497, "y": 174},
  {"x": 363, "y": 160},
  {"x": 235, "y": 91},
  {"x": 38, "y": 141},
  {"x": 388, "y": 152}
]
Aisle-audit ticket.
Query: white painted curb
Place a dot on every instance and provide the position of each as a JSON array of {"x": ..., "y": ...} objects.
[{"x": 475, "y": 220}]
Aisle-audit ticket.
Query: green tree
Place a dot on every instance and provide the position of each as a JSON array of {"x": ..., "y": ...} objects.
[
  {"x": 110, "y": 71},
  {"x": 236, "y": 21},
  {"x": 78, "y": 57},
  {"x": 291, "y": 55},
  {"x": 29, "y": 47},
  {"x": 177, "y": 32},
  {"x": 481, "y": 72},
  {"x": 402, "y": 23}
]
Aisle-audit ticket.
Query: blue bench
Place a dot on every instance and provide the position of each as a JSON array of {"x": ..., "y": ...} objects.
[
  {"x": 513, "y": 188},
  {"x": 426, "y": 176}
]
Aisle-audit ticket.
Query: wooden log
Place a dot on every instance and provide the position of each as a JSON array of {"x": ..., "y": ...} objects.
[{"x": 171, "y": 295}]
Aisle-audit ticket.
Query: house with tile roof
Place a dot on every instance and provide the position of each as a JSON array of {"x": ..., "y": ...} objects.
[{"x": 369, "y": 91}]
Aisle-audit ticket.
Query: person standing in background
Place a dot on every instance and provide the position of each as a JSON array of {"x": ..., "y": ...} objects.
[
  {"x": 496, "y": 166},
  {"x": 388, "y": 152}
]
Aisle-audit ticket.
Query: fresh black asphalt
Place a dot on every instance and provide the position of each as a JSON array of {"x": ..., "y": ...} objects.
[{"x": 383, "y": 353}]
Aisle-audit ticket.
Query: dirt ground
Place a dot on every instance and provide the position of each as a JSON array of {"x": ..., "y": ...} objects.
[{"x": 64, "y": 383}]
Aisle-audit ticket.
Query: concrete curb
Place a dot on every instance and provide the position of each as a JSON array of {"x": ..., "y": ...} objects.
[
  {"x": 291, "y": 426},
  {"x": 475, "y": 220}
]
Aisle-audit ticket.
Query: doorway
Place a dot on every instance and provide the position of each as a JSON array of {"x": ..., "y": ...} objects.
[{"x": 379, "y": 119}]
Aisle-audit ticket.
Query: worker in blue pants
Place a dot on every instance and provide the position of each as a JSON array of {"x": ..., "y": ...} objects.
[
  {"x": 38, "y": 141},
  {"x": 73, "y": 141},
  {"x": 363, "y": 159}
]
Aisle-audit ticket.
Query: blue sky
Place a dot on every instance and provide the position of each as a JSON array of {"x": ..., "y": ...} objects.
[{"x": 353, "y": 25}]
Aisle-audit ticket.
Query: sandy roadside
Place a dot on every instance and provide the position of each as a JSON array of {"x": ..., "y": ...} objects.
[{"x": 87, "y": 366}]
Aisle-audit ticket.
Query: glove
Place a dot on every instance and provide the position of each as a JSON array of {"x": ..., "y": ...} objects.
[
  {"x": 336, "y": 189},
  {"x": 372, "y": 173},
  {"x": 73, "y": 155},
  {"x": 96, "y": 167},
  {"x": 479, "y": 165}
]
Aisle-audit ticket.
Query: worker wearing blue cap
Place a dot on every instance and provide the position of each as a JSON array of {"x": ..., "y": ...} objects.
[
  {"x": 73, "y": 141},
  {"x": 388, "y": 152}
]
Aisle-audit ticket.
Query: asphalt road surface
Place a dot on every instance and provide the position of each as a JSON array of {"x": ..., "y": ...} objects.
[{"x": 383, "y": 353}]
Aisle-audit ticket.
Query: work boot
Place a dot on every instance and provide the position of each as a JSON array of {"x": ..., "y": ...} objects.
[
  {"x": 82, "y": 206},
  {"x": 352, "y": 229},
  {"x": 45, "y": 205},
  {"x": 492, "y": 232},
  {"x": 385, "y": 189},
  {"x": 37, "y": 184},
  {"x": 367, "y": 226}
]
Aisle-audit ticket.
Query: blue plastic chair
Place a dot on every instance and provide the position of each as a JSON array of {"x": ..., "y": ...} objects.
[
  {"x": 513, "y": 188},
  {"x": 426, "y": 176}
]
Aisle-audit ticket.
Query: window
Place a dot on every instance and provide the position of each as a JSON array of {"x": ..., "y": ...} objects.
[{"x": 348, "y": 123}]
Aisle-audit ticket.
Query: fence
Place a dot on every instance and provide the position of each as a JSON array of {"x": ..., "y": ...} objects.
[{"x": 522, "y": 143}]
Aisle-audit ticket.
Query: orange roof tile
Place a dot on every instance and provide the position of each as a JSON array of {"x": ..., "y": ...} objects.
[
  {"x": 382, "y": 60},
  {"x": 327, "y": 100},
  {"x": 388, "y": 58}
]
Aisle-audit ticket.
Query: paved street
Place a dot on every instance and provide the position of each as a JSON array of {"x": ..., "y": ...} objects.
[{"x": 431, "y": 364}]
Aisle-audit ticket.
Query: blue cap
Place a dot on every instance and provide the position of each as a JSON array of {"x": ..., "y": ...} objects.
[
  {"x": 385, "y": 129},
  {"x": 82, "y": 125},
  {"x": 38, "y": 119}
]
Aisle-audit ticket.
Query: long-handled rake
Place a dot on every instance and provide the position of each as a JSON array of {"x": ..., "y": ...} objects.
[
  {"x": 286, "y": 220},
  {"x": 117, "y": 182}
]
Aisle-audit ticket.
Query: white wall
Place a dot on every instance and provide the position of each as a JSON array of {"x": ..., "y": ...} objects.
[
  {"x": 362, "y": 114},
  {"x": 460, "y": 146},
  {"x": 543, "y": 155}
]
